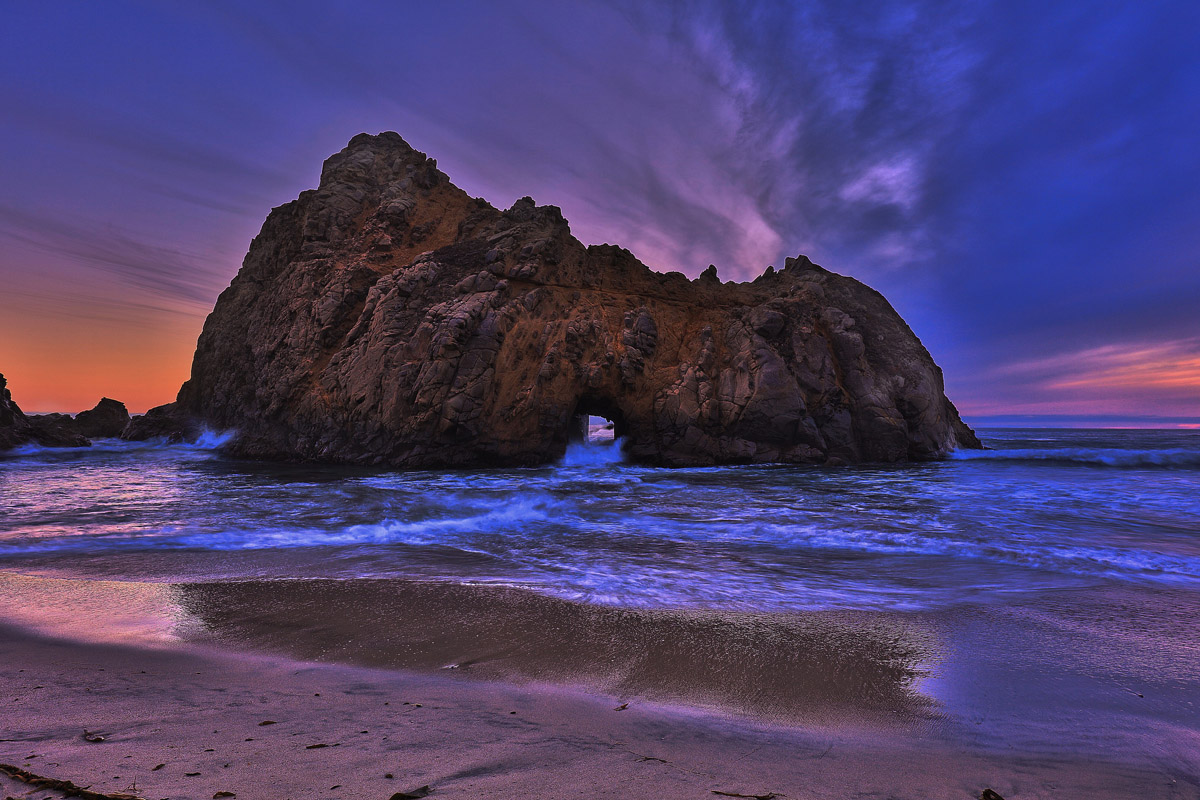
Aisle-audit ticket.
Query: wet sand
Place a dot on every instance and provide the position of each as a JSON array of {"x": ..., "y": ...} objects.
[
  {"x": 497, "y": 692},
  {"x": 339, "y": 731},
  {"x": 781, "y": 667}
]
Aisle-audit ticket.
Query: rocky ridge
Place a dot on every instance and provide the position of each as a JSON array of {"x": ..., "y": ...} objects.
[
  {"x": 387, "y": 317},
  {"x": 108, "y": 419}
]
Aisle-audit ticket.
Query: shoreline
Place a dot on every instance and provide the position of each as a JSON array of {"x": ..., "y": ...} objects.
[
  {"x": 816, "y": 668},
  {"x": 196, "y": 706}
]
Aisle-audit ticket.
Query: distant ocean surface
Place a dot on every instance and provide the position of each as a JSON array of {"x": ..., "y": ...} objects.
[{"x": 1039, "y": 511}]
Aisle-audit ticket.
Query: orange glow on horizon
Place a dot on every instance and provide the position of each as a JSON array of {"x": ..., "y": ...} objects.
[
  {"x": 1144, "y": 379},
  {"x": 1140, "y": 369},
  {"x": 57, "y": 364}
]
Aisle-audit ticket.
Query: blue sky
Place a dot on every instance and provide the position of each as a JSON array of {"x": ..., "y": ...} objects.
[{"x": 1021, "y": 180}]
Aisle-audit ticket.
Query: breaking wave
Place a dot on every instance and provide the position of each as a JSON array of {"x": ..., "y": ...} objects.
[
  {"x": 595, "y": 454},
  {"x": 208, "y": 440}
]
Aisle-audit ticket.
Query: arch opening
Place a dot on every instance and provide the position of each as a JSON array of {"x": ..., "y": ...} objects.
[{"x": 596, "y": 421}]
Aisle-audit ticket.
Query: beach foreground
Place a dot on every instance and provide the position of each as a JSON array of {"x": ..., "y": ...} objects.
[
  {"x": 1020, "y": 620},
  {"x": 191, "y": 722}
]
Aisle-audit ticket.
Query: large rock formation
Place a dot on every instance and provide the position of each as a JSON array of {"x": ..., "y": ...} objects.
[{"x": 389, "y": 318}]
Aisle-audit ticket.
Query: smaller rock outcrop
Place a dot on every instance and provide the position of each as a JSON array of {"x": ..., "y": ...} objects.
[
  {"x": 14, "y": 427},
  {"x": 107, "y": 420},
  {"x": 56, "y": 430},
  {"x": 163, "y": 422},
  {"x": 49, "y": 430}
]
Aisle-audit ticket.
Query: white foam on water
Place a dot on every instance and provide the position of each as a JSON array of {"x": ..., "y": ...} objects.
[
  {"x": 208, "y": 440},
  {"x": 598, "y": 454}
]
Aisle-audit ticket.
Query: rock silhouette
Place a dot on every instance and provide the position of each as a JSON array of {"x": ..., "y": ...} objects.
[
  {"x": 47, "y": 430},
  {"x": 387, "y": 317},
  {"x": 107, "y": 420},
  {"x": 14, "y": 426}
]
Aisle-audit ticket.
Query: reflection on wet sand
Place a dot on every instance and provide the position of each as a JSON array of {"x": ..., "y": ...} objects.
[
  {"x": 99, "y": 611},
  {"x": 776, "y": 666}
]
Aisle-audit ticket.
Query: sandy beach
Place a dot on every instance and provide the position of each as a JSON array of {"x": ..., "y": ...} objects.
[{"x": 195, "y": 718}]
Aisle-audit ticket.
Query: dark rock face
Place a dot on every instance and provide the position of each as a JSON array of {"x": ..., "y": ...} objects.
[
  {"x": 57, "y": 430},
  {"x": 164, "y": 422},
  {"x": 388, "y": 318},
  {"x": 107, "y": 420},
  {"x": 14, "y": 427}
]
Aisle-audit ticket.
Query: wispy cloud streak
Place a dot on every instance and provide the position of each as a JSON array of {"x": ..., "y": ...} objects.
[
  {"x": 1149, "y": 366},
  {"x": 165, "y": 272}
]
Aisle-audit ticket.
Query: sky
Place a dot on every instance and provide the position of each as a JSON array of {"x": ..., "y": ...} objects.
[{"x": 1021, "y": 180}]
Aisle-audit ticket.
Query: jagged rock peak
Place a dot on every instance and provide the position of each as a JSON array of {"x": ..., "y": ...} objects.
[{"x": 386, "y": 317}]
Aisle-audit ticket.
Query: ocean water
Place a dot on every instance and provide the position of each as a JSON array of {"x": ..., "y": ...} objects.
[
  {"x": 1040, "y": 596},
  {"x": 1042, "y": 510}
]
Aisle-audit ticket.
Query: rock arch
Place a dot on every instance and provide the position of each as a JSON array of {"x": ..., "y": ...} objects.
[
  {"x": 386, "y": 317},
  {"x": 596, "y": 405}
]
